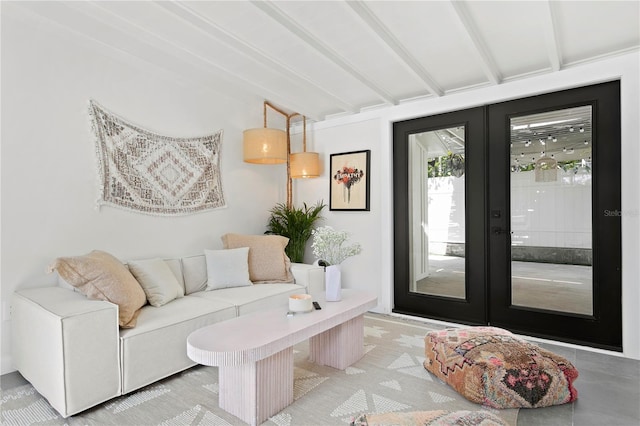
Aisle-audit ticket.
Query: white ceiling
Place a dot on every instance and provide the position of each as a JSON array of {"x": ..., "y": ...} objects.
[{"x": 328, "y": 58}]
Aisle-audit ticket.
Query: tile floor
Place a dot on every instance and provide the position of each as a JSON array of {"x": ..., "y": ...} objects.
[{"x": 608, "y": 392}]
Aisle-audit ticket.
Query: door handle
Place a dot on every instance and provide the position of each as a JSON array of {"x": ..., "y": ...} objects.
[{"x": 496, "y": 230}]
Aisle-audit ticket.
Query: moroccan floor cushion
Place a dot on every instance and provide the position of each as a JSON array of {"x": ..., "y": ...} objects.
[
  {"x": 493, "y": 367},
  {"x": 430, "y": 418}
]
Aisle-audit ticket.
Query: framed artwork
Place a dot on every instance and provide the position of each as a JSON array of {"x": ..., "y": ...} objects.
[{"x": 350, "y": 181}]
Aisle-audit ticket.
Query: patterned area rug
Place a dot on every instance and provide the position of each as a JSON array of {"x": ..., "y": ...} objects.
[{"x": 389, "y": 378}]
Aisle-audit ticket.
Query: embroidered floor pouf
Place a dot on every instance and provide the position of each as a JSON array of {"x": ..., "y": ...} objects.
[{"x": 493, "y": 367}]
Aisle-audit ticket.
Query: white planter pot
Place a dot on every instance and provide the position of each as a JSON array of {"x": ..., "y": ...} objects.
[{"x": 333, "y": 284}]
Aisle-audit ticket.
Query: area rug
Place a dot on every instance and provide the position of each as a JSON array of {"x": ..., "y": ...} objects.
[{"x": 389, "y": 378}]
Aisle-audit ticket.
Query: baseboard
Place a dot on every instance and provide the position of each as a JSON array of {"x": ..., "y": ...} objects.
[
  {"x": 6, "y": 365},
  {"x": 531, "y": 338}
]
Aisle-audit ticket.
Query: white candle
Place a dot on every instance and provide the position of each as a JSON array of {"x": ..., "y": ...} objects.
[{"x": 300, "y": 303}]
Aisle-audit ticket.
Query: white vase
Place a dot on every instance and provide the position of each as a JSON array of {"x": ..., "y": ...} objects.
[{"x": 333, "y": 284}]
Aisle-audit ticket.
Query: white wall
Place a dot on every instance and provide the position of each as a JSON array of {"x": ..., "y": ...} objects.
[
  {"x": 373, "y": 130},
  {"x": 49, "y": 183}
]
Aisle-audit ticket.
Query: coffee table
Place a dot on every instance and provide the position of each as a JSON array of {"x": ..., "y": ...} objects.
[{"x": 254, "y": 352}]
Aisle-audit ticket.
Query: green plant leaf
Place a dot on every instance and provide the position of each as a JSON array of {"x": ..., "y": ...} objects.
[{"x": 295, "y": 223}]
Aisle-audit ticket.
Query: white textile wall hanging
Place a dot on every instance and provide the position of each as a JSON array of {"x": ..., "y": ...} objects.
[{"x": 149, "y": 173}]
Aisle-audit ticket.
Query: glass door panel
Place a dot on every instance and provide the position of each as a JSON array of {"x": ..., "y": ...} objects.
[
  {"x": 437, "y": 212},
  {"x": 551, "y": 205}
]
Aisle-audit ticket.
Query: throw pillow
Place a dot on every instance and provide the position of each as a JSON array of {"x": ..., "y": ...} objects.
[
  {"x": 268, "y": 263},
  {"x": 98, "y": 275},
  {"x": 227, "y": 268},
  {"x": 157, "y": 281},
  {"x": 194, "y": 272}
]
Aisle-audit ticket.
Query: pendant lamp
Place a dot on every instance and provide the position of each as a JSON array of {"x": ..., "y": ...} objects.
[
  {"x": 264, "y": 145},
  {"x": 305, "y": 164}
]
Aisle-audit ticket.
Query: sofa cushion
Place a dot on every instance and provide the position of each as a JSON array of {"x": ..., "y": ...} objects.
[
  {"x": 157, "y": 280},
  {"x": 254, "y": 298},
  {"x": 227, "y": 268},
  {"x": 99, "y": 275},
  {"x": 268, "y": 263},
  {"x": 157, "y": 347}
]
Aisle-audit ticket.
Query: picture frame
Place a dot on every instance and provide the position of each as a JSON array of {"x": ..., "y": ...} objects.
[{"x": 350, "y": 181}]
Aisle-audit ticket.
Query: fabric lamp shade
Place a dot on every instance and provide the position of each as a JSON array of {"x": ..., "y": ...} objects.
[
  {"x": 305, "y": 165},
  {"x": 265, "y": 146}
]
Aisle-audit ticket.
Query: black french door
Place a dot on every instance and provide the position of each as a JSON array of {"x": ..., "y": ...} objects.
[
  {"x": 509, "y": 215},
  {"x": 435, "y": 151}
]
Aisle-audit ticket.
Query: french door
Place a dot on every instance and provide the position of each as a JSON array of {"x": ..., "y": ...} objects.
[{"x": 509, "y": 215}]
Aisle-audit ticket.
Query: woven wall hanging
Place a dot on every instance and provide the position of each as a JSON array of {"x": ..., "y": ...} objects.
[{"x": 145, "y": 172}]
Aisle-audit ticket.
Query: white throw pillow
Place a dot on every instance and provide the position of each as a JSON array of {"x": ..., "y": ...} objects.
[
  {"x": 227, "y": 268},
  {"x": 157, "y": 280}
]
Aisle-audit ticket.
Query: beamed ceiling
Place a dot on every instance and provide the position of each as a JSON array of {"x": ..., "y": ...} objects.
[{"x": 331, "y": 58}]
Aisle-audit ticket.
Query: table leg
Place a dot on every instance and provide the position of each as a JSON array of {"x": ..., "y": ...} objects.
[
  {"x": 256, "y": 391},
  {"x": 340, "y": 346}
]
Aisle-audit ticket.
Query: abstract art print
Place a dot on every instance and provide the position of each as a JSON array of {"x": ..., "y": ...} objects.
[{"x": 350, "y": 181}]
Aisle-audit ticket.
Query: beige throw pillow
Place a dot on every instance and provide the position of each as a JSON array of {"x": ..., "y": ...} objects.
[
  {"x": 157, "y": 281},
  {"x": 268, "y": 263},
  {"x": 98, "y": 275}
]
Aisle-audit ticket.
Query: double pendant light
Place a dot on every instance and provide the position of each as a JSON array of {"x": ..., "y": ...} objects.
[{"x": 273, "y": 146}]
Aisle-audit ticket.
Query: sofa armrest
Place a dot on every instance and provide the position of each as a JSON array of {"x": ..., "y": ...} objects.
[
  {"x": 309, "y": 276},
  {"x": 67, "y": 347}
]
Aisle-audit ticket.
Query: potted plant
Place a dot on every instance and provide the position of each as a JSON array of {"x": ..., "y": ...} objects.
[{"x": 295, "y": 223}]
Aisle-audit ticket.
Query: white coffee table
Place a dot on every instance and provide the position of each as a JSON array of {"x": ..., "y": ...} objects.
[{"x": 254, "y": 352}]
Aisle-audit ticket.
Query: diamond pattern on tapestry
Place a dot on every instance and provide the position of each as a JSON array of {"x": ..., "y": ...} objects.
[{"x": 149, "y": 173}]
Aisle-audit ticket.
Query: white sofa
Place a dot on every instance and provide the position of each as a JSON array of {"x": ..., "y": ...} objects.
[{"x": 74, "y": 353}]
